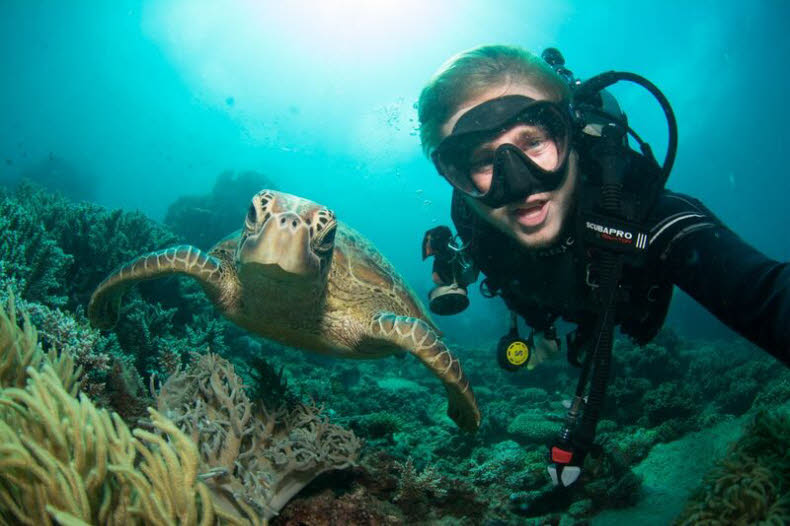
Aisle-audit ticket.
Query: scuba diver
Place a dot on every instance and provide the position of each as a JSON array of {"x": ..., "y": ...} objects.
[{"x": 566, "y": 220}]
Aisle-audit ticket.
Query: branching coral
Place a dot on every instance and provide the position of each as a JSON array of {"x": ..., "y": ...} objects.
[
  {"x": 109, "y": 379},
  {"x": 414, "y": 486},
  {"x": 72, "y": 336},
  {"x": 31, "y": 255},
  {"x": 98, "y": 239},
  {"x": 258, "y": 457},
  {"x": 54, "y": 252}
]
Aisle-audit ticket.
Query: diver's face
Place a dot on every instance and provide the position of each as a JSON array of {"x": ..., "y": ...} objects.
[{"x": 537, "y": 220}]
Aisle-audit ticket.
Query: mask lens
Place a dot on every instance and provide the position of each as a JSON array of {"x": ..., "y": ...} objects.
[
  {"x": 457, "y": 166},
  {"x": 543, "y": 136},
  {"x": 539, "y": 129}
]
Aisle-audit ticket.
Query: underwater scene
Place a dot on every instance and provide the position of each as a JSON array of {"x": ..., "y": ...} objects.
[{"x": 351, "y": 262}]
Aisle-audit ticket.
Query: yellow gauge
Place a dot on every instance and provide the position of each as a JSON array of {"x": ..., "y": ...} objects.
[{"x": 517, "y": 353}]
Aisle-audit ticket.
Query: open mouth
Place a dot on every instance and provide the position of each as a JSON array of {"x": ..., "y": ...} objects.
[{"x": 531, "y": 214}]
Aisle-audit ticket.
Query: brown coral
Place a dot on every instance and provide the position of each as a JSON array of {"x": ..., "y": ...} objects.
[
  {"x": 327, "y": 509},
  {"x": 258, "y": 458},
  {"x": 414, "y": 486}
]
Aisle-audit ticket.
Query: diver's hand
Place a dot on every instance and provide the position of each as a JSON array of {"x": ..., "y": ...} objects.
[{"x": 543, "y": 349}]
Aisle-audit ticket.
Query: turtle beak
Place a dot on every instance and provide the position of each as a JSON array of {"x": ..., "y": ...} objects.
[{"x": 281, "y": 250}]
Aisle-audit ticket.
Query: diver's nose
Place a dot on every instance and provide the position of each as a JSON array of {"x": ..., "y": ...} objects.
[{"x": 289, "y": 221}]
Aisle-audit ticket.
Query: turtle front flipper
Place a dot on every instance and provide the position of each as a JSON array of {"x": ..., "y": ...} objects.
[
  {"x": 417, "y": 337},
  {"x": 105, "y": 302}
]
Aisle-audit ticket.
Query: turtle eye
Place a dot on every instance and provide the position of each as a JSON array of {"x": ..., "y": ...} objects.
[
  {"x": 328, "y": 241},
  {"x": 252, "y": 214}
]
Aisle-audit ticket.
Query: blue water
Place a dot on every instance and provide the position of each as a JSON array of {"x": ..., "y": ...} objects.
[{"x": 147, "y": 101}]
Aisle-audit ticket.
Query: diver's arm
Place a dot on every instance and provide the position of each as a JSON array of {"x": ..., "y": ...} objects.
[{"x": 743, "y": 288}]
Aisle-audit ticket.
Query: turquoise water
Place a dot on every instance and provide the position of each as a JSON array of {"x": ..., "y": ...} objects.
[
  {"x": 133, "y": 104},
  {"x": 154, "y": 99}
]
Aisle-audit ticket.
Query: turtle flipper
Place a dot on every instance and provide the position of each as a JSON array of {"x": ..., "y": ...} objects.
[
  {"x": 104, "y": 306},
  {"x": 417, "y": 337}
]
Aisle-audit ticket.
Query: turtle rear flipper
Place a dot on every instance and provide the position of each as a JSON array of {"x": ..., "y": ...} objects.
[
  {"x": 417, "y": 337},
  {"x": 105, "y": 302}
]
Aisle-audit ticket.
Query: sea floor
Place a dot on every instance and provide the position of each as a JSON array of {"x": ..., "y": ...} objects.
[{"x": 665, "y": 487}]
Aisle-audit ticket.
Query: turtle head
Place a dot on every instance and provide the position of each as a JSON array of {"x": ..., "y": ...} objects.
[{"x": 286, "y": 237}]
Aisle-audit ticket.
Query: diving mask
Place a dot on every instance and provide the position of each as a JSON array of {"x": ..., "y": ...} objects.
[{"x": 513, "y": 171}]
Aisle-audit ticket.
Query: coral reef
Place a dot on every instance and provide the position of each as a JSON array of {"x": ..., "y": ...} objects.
[
  {"x": 413, "y": 485},
  {"x": 751, "y": 485},
  {"x": 95, "y": 240},
  {"x": 63, "y": 460},
  {"x": 109, "y": 377},
  {"x": 47, "y": 238},
  {"x": 31, "y": 256},
  {"x": 510, "y": 475},
  {"x": 248, "y": 458},
  {"x": 260, "y": 456}
]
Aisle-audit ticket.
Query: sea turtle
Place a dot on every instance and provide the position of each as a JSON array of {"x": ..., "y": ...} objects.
[{"x": 296, "y": 275}]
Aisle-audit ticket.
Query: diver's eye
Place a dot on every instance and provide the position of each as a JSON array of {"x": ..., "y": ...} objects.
[
  {"x": 328, "y": 241},
  {"x": 252, "y": 215}
]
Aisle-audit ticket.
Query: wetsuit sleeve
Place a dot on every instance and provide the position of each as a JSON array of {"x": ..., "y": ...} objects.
[{"x": 743, "y": 288}]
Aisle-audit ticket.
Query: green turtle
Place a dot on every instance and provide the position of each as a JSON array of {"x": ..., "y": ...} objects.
[{"x": 296, "y": 275}]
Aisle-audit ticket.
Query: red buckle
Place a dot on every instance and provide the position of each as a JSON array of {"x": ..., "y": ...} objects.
[{"x": 560, "y": 456}]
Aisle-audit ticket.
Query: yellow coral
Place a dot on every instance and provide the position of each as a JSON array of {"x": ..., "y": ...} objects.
[
  {"x": 64, "y": 460},
  {"x": 19, "y": 350}
]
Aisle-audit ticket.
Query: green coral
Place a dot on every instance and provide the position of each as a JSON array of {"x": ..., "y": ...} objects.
[
  {"x": 54, "y": 252},
  {"x": 96, "y": 239},
  {"x": 533, "y": 427},
  {"x": 30, "y": 255},
  {"x": 377, "y": 425}
]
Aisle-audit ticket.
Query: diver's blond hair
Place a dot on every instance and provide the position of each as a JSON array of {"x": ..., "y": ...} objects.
[{"x": 471, "y": 72}]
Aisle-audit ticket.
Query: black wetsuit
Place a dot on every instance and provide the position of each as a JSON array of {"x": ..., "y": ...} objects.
[{"x": 689, "y": 247}]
